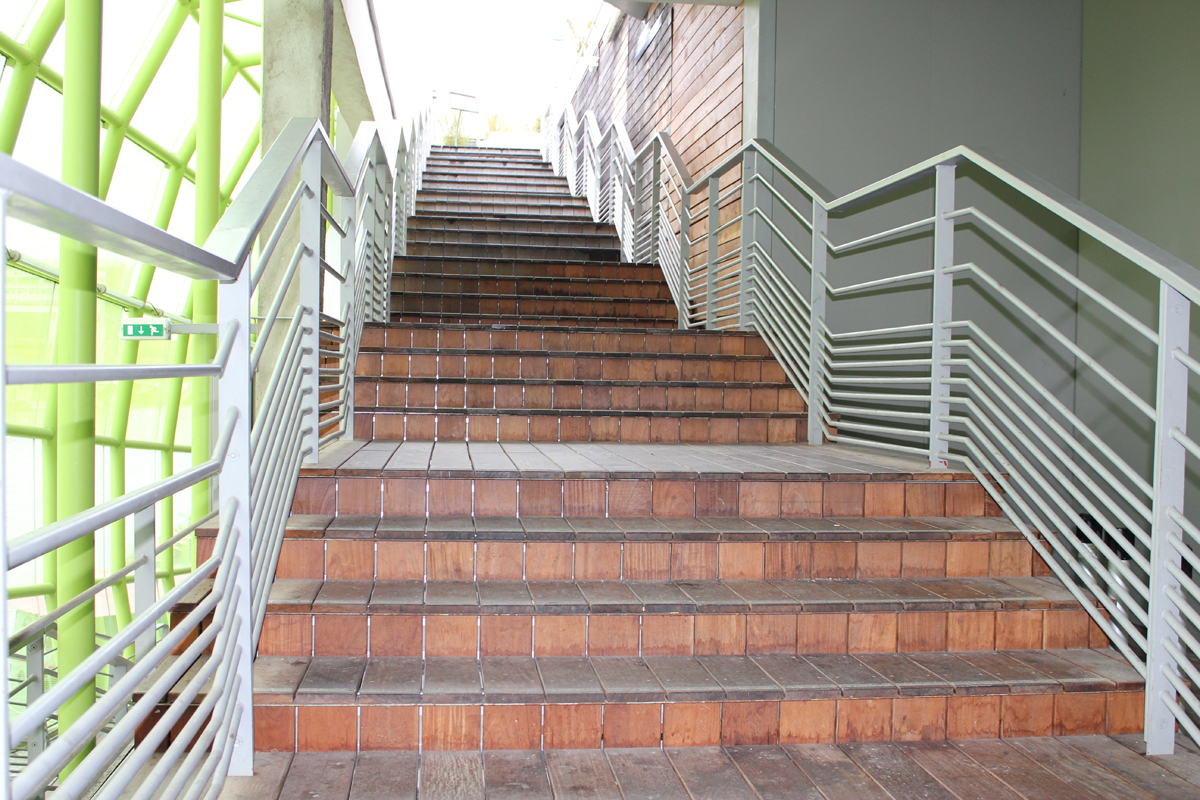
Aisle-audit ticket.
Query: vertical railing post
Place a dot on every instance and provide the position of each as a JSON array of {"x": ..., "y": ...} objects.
[
  {"x": 348, "y": 263},
  {"x": 710, "y": 266},
  {"x": 309, "y": 295},
  {"x": 35, "y": 669},
  {"x": 943, "y": 311},
  {"x": 655, "y": 197},
  {"x": 747, "y": 236},
  {"x": 5, "y": 736},
  {"x": 1171, "y": 402},
  {"x": 145, "y": 577},
  {"x": 816, "y": 334},
  {"x": 235, "y": 488},
  {"x": 685, "y": 251},
  {"x": 382, "y": 198}
]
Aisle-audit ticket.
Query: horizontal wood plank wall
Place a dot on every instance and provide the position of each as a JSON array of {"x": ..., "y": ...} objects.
[
  {"x": 688, "y": 80},
  {"x": 706, "y": 112}
]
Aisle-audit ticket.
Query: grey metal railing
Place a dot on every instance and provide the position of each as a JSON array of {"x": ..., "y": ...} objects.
[
  {"x": 756, "y": 251},
  {"x": 305, "y": 400}
]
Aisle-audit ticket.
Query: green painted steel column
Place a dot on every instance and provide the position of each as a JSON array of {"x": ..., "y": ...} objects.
[
  {"x": 208, "y": 211},
  {"x": 76, "y": 341},
  {"x": 16, "y": 100}
]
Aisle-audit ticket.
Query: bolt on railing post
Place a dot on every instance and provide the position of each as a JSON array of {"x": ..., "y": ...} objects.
[
  {"x": 710, "y": 267},
  {"x": 309, "y": 295},
  {"x": 655, "y": 197},
  {"x": 235, "y": 489},
  {"x": 943, "y": 310},
  {"x": 817, "y": 298},
  {"x": 747, "y": 235},
  {"x": 145, "y": 577},
  {"x": 1171, "y": 402},
  {"x": 35, "y": 670},
  {"x": 685, "y": 235}
]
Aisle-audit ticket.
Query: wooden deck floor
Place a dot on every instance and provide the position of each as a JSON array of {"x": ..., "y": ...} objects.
[
  {"x": 1013, "y": 769},
  {"x": 591, "y": 459}
]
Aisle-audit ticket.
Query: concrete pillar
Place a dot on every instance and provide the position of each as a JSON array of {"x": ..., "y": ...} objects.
[{"x": 297, "y": 75}]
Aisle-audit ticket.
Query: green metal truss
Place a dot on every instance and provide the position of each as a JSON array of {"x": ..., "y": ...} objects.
[{"x": 93, "y": 139}]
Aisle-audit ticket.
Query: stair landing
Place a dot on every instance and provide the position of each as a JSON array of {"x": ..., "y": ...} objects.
[{"x": 1066, "y": 768}]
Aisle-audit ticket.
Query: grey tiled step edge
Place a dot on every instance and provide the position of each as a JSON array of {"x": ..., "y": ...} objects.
[
  {"x": 630, "y": 679},
  {"x": 642, "y": 529},
  {"x": 810, "y": 596}
]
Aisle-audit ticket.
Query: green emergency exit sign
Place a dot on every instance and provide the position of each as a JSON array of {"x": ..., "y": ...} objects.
[{"x": 145, "y": 329}]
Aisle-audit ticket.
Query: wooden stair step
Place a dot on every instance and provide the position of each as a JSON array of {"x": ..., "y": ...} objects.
[{"x": 574, "y": 340}]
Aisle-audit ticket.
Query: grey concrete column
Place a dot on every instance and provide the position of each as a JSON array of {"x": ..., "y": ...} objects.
[
  {"x": 759, "y": 19},
  {"x": 297, "y": 74}
]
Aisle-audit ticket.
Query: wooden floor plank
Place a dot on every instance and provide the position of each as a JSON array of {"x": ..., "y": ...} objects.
[
  {"x": 833, "y": 773},
  {"x": 451, "y": 776},
  {"x": 1184, "y": 763},
  {"x": 645, "y": 774},
  {"x": 516, "y": 775},
  {"x": 270, "y": 771},
  {"x": 581, "y": 775},
  {"x": 708, "y": 774},
  {"x": 958, "y": 773},
  {"x": 1018, "y": 772},
  {"x": 1082, "y": 773},
  {"x": 319, "y": 775},
  {"x": 772, "y": 774},
  {"x": 1141, "y": 772},
  {"x": 385, "y": 776},
  {"x": 898, "y": 774}
]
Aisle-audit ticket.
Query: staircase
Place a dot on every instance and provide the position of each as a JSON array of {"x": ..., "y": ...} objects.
[{"x": 564, "y": 523}]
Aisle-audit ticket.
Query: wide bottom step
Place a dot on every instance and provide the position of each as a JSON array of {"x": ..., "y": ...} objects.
[{"x": 985, "y": 768}]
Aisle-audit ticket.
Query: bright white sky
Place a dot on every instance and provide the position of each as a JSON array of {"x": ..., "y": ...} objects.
[{"x": 513, "y": 55}]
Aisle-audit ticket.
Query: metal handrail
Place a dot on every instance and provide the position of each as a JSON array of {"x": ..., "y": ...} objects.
[
  {"x": 1114, "y": 534},
  {"x": 253, "y": 506}
]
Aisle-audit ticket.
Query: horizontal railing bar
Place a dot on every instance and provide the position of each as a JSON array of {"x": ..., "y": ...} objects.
[
  {"x": 799, "y": 217},
  {"x": 25, "y": 548},
  {"x": 1046, "y": 396},
  {"x": 35, "y": 629},
  {"x": 1137, "y": 402},
  {"x": 53, "y": 206},
  {"x": 878, "y": 237},
  {"x": 268, "y": 250},
  {"x": 1051, "y": 265},
  {"x": 333, "y": 223},
  {"x": 858, "y": 287}
]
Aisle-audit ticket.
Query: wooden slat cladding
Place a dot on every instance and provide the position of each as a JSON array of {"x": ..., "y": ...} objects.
[{"x": 634, "y": 86}]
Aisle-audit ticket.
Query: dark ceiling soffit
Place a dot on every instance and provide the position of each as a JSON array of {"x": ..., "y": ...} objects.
[{"x": 632, "y": 7}]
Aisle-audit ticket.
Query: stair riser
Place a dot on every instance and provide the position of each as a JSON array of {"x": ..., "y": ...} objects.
[
  {"x": 509, "y": 427},
  {"x": 467, "y": 195},
  {"x": 552, "y": 210},
  {"x": 530, "y": 287},
  {"x": 512, "y": 268},
  {"x": 497, "y": 251},
  {"x": 539, "y": 366},
  {"x": 641, "y": 367},
  {"x": 409, "y": 303},
  {"x": 515, "y": 397},
  {"x": 430, "y": 222},
  {"x": 616, "y": 725},
  {"x": 496, "y": 184},
  {"x": 675, "y": 342},
  {"x": 357, "y": 633},
  {"x": 682, "y": 497},
  {"x": 344, "y": 556},
  {"x": 431, "y": 238},
  {"x": 512, "y": 320}
]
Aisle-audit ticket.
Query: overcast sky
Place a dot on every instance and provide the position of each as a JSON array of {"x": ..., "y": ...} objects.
[{"x": 512, "y": 55}]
